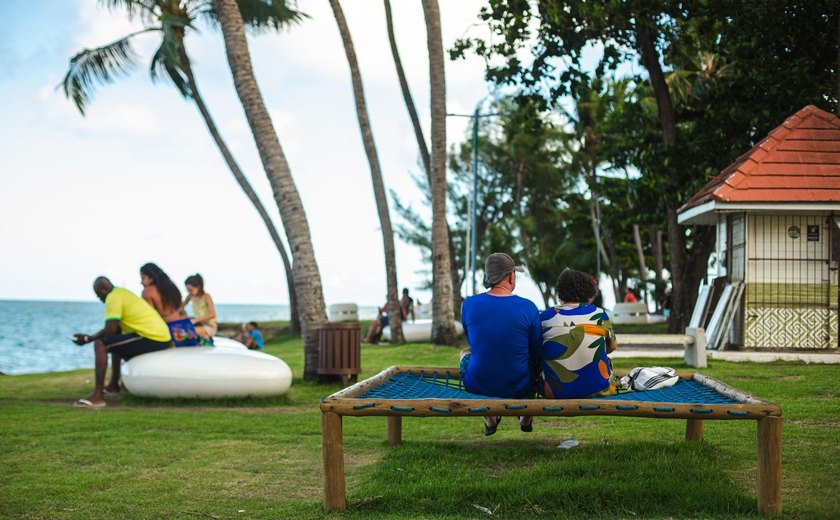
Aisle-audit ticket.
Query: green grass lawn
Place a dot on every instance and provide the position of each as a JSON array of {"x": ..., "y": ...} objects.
[{"x": 261, "y": 458}]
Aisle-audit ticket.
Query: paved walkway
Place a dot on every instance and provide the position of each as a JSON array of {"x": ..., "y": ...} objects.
[{"x": 671, "y": 346}]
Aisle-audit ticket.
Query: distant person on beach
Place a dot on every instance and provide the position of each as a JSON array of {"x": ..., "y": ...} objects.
[
  {"x": 406, "y": 305},
  {"x": 381, "y": 321},
  {"x": 598, "y": 299},
  {"x": 505, "y": 340},
  {"x": 132, "y": 327},
  {"x": 204, "y": 312},
  {"x": 251, "y": 336},
  {"x": 162, "y": 294}
]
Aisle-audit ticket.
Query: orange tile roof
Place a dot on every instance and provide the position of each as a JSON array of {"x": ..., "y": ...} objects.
[{"x": 797, "y": 162}]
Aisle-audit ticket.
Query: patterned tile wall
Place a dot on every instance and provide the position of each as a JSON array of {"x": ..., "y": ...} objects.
[{"x": 776, "y": 327}]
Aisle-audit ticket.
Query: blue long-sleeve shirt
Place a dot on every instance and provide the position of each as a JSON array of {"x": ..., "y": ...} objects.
[{"x": 505, "y": 336}]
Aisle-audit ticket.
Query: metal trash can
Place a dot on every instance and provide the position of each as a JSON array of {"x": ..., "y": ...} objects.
[{"x": 340, "y": 351}]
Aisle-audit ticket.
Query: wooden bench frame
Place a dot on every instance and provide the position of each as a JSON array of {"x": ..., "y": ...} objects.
[{"x": 346, "y": 402}]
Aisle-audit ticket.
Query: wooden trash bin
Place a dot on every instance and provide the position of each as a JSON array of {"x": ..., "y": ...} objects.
[{"x": 340, "y": 350}]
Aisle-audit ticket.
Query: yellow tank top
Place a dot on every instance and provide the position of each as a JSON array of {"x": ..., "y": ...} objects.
[{"x": 200, "y": 308}]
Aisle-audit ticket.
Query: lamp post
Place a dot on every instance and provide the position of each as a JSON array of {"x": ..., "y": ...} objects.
[{"x": 472, "y": 207}]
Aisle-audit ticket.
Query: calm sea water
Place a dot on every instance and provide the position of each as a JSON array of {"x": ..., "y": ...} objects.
[{"x": 36, "y": 336}]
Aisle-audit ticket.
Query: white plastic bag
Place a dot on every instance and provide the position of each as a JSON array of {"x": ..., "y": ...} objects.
[{"x": 649, "y": 378}]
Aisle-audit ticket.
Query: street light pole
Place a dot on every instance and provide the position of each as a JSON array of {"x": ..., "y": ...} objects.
[
  {"x": 474, "y": 209},
  {"x": 472, "y": 206}
]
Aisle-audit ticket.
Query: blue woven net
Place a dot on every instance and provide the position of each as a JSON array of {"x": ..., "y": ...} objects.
[{"x": 411, "y": 385}]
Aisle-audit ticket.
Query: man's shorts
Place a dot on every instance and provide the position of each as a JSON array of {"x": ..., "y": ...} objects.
[{"x": 129, "y": 345}]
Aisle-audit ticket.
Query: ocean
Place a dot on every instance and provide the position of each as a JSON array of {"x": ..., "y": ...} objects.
[{"x": 36, "y": 336}]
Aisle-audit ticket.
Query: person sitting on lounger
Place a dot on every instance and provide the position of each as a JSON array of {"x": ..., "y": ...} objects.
[
  {"x": 132, "y": 327},
  {"x": 503, "y": 332},
  {"x": 204, "y": 311},
  {"x": 577, "y": 336},
  {"x": 162, "y": 294},
  {"x": 251, "y": 336}
]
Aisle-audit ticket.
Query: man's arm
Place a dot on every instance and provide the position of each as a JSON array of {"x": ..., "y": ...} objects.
[{"x": 112, "y": 327}]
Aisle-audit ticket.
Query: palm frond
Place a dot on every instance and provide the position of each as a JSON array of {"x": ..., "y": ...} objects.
[
  {"x": 134, "y": 9},
  {"x": 261, "y": 15},
  {"x": 167, "y": 58},
  {"x": 100, "y": 66}
]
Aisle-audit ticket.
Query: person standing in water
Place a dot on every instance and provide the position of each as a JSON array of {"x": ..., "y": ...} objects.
[{"x": 204, "y": 312}]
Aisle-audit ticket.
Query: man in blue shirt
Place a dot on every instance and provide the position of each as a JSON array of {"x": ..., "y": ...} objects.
[
  {"x": 505, "y": 339},
  {"x": 251, "y": 336}
]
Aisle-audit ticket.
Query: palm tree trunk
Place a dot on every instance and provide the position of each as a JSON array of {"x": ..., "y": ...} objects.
[
  {"x": 394, "y": 313},
  {"x": 294, "y": 323},
  {"x": 424, "y": 150},
  {"x": 687, "y": 267},
  {"x": 443, "y": 318},
  {"x": 307, "y": 278}
]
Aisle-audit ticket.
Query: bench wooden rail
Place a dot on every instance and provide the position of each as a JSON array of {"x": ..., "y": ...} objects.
[{"x": 350, "y": 401}]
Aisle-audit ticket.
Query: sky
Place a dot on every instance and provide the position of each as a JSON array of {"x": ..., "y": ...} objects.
[{"x": 138, "y": 178}]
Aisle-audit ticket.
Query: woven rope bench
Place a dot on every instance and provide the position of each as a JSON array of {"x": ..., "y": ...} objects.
[{"x": 399, "y": 392}]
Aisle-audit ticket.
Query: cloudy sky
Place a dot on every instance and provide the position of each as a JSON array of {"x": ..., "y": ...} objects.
[{"x": 138, "y": 178}]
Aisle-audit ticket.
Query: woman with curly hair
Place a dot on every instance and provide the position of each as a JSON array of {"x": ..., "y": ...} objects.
[{"x": 577, "y": 336}]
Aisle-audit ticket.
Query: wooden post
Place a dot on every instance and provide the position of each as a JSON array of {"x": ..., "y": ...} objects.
[
  {"x": 769, "y": 478},
  {"x": 694, "y": 429},
  {"x": 333, "y": 451},
  {"x": 394, "y": 430}
]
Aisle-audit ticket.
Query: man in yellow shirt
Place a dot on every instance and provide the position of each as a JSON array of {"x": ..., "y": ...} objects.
[{"x": 132, "y": 327}]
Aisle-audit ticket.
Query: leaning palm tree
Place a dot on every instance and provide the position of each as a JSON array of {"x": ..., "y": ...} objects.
[
  {"x": 421, "y": 145},
  {"x": 375, "y": 174},
  {"x": 443, "y": 317},
  {"x": 170, "y": 21},
  {"x": 305, "y": 268}
]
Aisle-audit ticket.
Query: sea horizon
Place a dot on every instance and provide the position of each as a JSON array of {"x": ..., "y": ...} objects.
[{"x": 36, "y": 335}]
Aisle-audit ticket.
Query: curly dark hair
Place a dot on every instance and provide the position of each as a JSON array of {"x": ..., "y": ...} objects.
[
  {"x": 196, "y": 281},
  {"x": 575, "y": 286},
  {"x": 169, "y": 293}
]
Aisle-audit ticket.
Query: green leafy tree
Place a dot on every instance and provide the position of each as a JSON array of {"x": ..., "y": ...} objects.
[
  {"x": 748, "y": 67},
  {"x": 170, "y": 22}
]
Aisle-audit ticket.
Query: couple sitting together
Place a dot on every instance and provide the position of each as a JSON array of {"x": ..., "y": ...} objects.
[{"x": 517, "y": 352}]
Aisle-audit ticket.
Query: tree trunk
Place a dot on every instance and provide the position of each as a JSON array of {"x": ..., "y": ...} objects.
[
  {"x": 394, "y": 313},
  {"x": 294, "y": 322},
  {"x": 443, "y": 317},
  {"x": 643, "y": 272},
  {"x": 686, "y": 270},
  {"x": 304, "y": 267},
  {"x": 424, "y": 150}
]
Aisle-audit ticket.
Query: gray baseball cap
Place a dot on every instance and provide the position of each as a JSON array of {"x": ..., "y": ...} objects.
[{"x": 497, "y": 267}]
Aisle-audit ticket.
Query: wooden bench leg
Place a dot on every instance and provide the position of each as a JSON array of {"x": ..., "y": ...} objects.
[
  {"x": 694, "y": 429},
  {"x": 769, "y": 476},
  {"x": 394, "y": 430},
  {"x": 335, "y": 498}
]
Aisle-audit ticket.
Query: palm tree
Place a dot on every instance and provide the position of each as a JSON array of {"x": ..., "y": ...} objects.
[
  {"x": 305, "y": 268},
  {"x": 394, "y": 312},
  {"x": 421, "y": 145},
  {"x": 443, "y": 317},
  {"x": 171, "y": 19}
]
